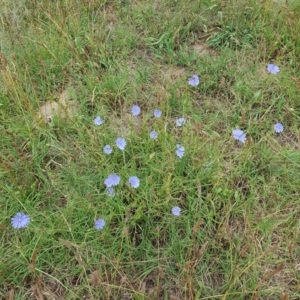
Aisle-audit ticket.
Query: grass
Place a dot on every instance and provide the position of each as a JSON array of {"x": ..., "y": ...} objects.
[{"x": 64, "y": 63}]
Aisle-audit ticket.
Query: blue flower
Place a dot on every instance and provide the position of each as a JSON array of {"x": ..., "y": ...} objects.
[
  {"x": 20, "y": 220},
  {"x": 136, "y": 110},
  {"x": 110, "y": 192},
  {"x": 179, "y": 151},
  {"x": 107, "y": 149},
  {"x": 176, "y": 211},
  {"x": 273, "y": 69},
  {"x": 157, "y": 113},
  {"x": 121, "y": 143},
  {"x": 180, "y": 122},
  {"x": 194, "y": 80},
  {"x": 278, "y": 127},
  {"x": 134, "y": 182},
  {"x": 239, "y": 135},
  {"x": 98, "y": 121},
  {"x": 112, "y": 180},
  {"x": 99, "y": 224},
  {"x": 153, "y": 135}
]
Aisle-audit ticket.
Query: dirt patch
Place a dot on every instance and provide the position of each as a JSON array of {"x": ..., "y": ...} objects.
[
  {"x": 172, "y": 73},
  {"x": 123, "y": 125},
  {"x": 62, "y": 108},
  {"x": 201, "y": 49}
]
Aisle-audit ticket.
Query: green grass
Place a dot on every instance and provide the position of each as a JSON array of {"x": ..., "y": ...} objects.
[{"x": 238, "y": 234}]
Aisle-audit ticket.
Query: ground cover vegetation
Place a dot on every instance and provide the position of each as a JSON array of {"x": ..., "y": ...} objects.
[{"x": 150, "y": 149}]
